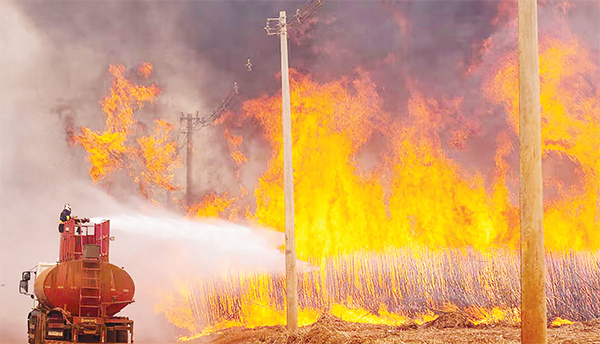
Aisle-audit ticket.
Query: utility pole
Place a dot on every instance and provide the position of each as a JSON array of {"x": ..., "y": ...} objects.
[
  {"x": 194, "y": 123},
  {"x": 188, "y": 161},
  {"x": 291, "y": 279},
  {"x": 533, "y": 280}
]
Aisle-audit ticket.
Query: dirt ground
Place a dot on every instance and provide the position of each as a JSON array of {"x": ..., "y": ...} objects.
[{"x": 329, "y": 329}]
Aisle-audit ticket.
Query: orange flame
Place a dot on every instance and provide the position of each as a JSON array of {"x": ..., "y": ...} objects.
[
  {"x": 105, "y": 151},
  {"x": 151, "y": 162},
  {"x": 413, "y": 194},
  {"x": 125, "y": 97},
  {"x": 570, "y": 127},
  {"x": 214, "y": 206},
  {"x": 395, "y": 287},
  {"x": 235, "y": 141},
  {"x": 159, "y": 156},
  {"x": 145, "y": 69},
  {"x": 416, "y": 194},
  {"x": 329, "y": 124},
  {"x": 560, "y": 322}
]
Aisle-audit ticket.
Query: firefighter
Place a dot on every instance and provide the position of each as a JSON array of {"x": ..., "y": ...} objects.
[{"x": 65, "y": 216}]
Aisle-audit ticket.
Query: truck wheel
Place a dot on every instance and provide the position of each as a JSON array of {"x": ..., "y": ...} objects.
[{"x": 34, "y": 330}]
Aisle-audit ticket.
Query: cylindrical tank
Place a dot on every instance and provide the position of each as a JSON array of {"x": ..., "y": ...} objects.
[{"x": 70, "y": 284}]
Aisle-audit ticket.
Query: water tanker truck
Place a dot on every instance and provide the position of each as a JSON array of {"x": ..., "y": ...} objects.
[{"x": 77, "y": 298}]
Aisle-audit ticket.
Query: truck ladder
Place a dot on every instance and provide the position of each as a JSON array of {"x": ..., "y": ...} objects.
[{"x": 89, "y": 294}]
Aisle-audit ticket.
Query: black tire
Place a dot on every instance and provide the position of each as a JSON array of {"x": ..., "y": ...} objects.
[{"x": 34, "y": 330}]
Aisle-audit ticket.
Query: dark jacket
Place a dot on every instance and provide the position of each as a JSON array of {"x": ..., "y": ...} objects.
[{"x": 65, "y": 216}]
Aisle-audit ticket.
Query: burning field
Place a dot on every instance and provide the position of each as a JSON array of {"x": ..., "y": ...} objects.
[
  {"x": 454, "y": 329},
  {"x": 410, "y": 238},
  {"x": 403, "y": 289},
  {"x": 405, "y": 158}
]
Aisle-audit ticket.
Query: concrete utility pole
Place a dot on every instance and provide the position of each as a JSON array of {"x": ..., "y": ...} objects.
[
  {"x": 195, "y": 122},
  {"x": 291, "y": 278},
  {"x": 288, "y": 184},
  {"x": 533, "y": 280}
]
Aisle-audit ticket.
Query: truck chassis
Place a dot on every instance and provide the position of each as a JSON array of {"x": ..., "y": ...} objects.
[{"x": 56, "y": 326}]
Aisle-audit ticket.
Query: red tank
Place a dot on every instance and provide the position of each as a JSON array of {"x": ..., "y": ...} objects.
[
  {"x": 80, "y": 296},
  {"x": 64, "y": 285}
]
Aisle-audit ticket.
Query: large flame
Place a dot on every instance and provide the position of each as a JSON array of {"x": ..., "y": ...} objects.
[
  {"x": 415, "y": 194},
  {"x": 380, "y": 199},
  {"x": 329, "y": 123},
  {"x": 159, "y": 157},
  {"x": 151, "y": 159},
  {"x": 570, "y": 102}
]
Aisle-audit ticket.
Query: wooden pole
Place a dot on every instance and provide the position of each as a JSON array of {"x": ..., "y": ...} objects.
[
  {"x": 188, "y": 163},
  {"x": 291, "y": 293},
  {"x": 533, "y": 295}
]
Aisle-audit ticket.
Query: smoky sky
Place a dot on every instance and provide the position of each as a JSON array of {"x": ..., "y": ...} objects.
[
  {"x": 341, "y": 36},
  {"x": 440, "y": 40}
]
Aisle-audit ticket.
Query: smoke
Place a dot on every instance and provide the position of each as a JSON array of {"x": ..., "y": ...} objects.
[{"x": 199, "y": 48}]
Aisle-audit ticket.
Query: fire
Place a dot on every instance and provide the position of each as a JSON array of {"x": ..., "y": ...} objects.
[
  {"x": 175, "y": 308},
  {"x": 105, "y": 151},
  {"x": 159, "y": 157},
  {"x": 145, "y": 69},
  {"x": 414, "y": 202},
  {"x": 570, "y": 127},
  {"x": 497, "y": 314},
  {"x": 431, "y": 196},
  {"x": 212, "y": 206},
  {"x": 150, "y": 160},
  {"x": 396, "y": 287},
  {"x": 416, "y": 196},
  {"x": 416, "y": 193},
  {"x": 125, "y": 97},
  {"x": 560, "y": 322},
  {"x": 235, "y": 141},
  {"x": 329, "y": 124},
  {"x": 400, "y": 236}
]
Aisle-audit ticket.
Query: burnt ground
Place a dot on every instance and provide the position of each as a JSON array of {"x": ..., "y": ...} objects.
[{"x": 329, "y": 329}]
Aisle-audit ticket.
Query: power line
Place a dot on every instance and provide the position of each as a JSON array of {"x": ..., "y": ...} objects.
[
  {"x": 194, "y": 123},
  {"x": 201, "y": 122},
  {"x": 301, "y": 14}
]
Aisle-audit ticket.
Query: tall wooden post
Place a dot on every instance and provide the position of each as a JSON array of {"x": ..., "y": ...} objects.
[
  {"x": 188, "y": 164},
  {"x": 291, "y": 293},
  {"x": 533, "y": 295}
]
